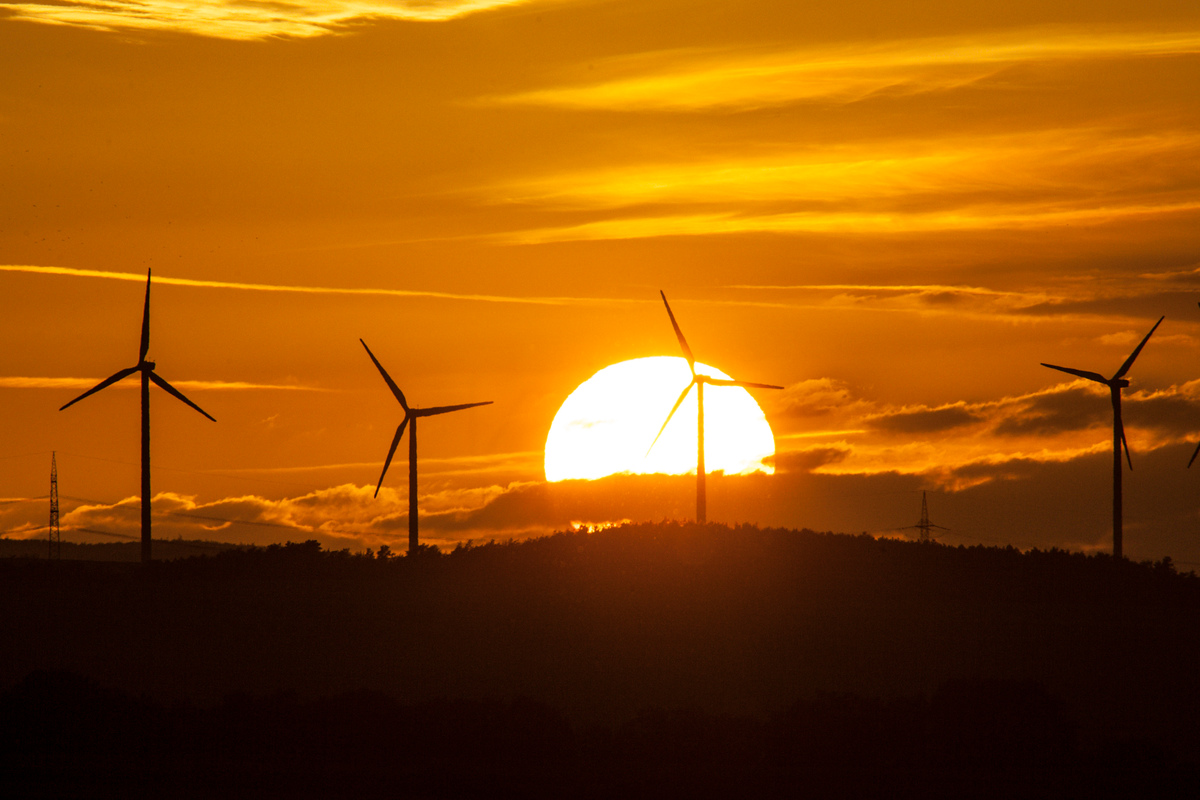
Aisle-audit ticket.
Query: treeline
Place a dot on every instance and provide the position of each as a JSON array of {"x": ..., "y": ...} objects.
[
  {"x": 600, "y": 626},
  {"x": 61, "y": 735},
  {"x": 130, "y": 551}
]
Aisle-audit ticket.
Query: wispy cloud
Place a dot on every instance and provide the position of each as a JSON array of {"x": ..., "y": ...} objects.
[
  {"x": 526, "y": 461},
  {"x": 967, "y": 219},
  {"x": 332, "y": 290},
  {"x": 1023, "y": 180},
  {"x": 245, "y": 19},
  {"x": 924, "y": 290},
  {"x": 691, "y": 80},
  {"x": 32, "y": 382}
]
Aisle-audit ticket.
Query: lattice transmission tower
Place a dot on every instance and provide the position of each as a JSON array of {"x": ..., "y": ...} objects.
[
  {"x": 925, "y": 526},
  {"x": 55, "y": 535}
]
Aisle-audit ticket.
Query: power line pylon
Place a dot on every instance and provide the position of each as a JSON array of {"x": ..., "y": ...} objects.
[
  {"x": 924, "y": 526},
  {"x": 55, "y": 535}
]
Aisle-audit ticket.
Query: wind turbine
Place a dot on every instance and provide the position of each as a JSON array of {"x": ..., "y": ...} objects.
[
  {"x": 698, "y": 380},
  {"x": 1115, "y": 384},
  {"x": 410, "y": 416},
  {"x": 146, "y": 368}
]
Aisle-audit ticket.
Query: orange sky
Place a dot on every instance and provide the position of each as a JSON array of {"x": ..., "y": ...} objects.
[{"x": 896, "y": 212}]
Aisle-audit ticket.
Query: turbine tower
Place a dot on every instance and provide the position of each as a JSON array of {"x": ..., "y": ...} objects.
[
  {"x": 924, "y": 526},
  {"x": 410, "y": 417},
  {"x": 1115, "y": 384},
  {"x": 1195, "y": 452},
  {"x": 698, "y": 380},
  {"x": 146, "y": 368}
]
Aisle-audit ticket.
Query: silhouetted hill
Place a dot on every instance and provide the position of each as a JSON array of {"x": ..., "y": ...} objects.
[
  {"x": 61, "y": 735},
  {"x": 164, "y": 549},
  {"x": 855, "y": 638}
]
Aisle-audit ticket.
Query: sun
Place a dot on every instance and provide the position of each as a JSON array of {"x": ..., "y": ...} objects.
[{"x": 606, "y": 425}]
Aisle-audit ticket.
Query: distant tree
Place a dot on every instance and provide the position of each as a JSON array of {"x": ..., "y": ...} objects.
[{"x": 385, "y": 552}]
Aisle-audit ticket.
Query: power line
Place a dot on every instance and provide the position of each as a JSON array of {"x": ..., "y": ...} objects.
[
  {"x": 25, "y": 455},
  {"x": 199, "y": 545},
  {"x": 191, "y": 471}
]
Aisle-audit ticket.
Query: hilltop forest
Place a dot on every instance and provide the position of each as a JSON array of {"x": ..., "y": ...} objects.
[{"x": 650, "y": 659}]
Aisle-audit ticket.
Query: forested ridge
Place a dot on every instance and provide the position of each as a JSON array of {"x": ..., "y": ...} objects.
[{"x": 803, "y": 653}]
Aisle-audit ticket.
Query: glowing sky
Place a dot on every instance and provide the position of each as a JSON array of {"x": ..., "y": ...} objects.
[{"x": 897, "y": 211}]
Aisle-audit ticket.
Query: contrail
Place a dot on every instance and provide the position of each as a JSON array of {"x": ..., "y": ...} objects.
[
  {"x": 35, "y": 382},
  {"x": 270, "y": 287}
]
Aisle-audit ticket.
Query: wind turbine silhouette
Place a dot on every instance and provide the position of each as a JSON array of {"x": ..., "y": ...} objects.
[
  {"x": 698, "y": 380},
  {"x": 148, "y": 374},
  {"x": 410, "y": 416},
  {"x": 1115, "y": 384}
]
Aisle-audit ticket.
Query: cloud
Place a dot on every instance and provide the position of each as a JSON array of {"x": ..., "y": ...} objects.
[
  {"x": 926, "y": 420},
  {"x": 525, "y": 463},
  {"x": 698, "y": 79},
  {"x": 809, "y": 460},
  {"x": 1061, "y": 423},
  {"x": 1081, "y": 406},
  {"x": 339, "y": 516},
  {"x": 1171, "y": 414},
  {"x": 916, "y": 295},
  {"x": 1034, "y": 499},
  {"x": 1013, "y": 214},
  {"x": 245, "y": 19},
  {"x": 816, "y": 397},
  {"x": 271, "y": 287},
  {"x": 1018, "y": 176},
  {"x": 1045, "y": 173}
]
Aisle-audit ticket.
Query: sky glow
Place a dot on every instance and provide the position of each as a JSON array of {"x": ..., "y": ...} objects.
[{"x": 896, "y": 212}]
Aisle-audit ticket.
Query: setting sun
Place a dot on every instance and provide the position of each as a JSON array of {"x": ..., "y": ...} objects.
[{"x": 607, "y": 424}]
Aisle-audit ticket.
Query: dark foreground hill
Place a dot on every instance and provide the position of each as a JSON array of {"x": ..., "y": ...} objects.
[
  {"x": 131, "y": 551},
  {"x": 777, "y": 659}
]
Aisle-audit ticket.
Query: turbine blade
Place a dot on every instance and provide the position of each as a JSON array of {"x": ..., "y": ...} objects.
[
  {"x": 433, "y": 412},
  {"x": 687, "y": 351},
  {"x": 1129, "y": 361},
  {"x": 391, "y": 452},
  {"x": 109, "y": 381},
  {"x": 1195, "y": 453},
  {"x": 744, "y": 384},
  {"x": 1091, "y": 376},
  {"x": 172, "y": 390},
  {"x": 1124, "y": 443},
  {"x": 145, "y": 347},
  {"x": 675, "y": 408},
  {"x": 391, "y": 383}
]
